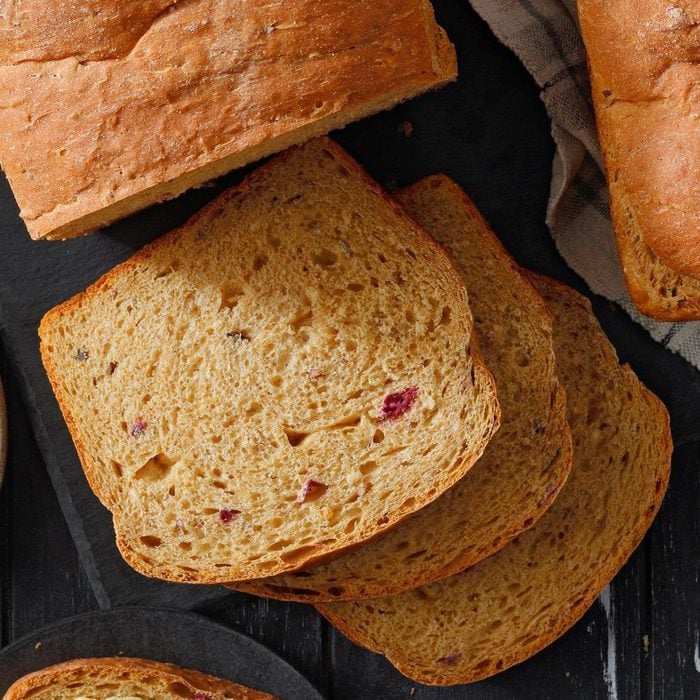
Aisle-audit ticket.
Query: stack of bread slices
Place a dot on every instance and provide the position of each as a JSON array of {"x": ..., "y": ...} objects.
[{"x": 314, "y": 391}]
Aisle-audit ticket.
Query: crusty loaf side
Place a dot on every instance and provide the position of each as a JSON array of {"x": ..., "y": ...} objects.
[
  {"x": 287, "y": 375},
  {"x": 512, "y": 604},
  {"x": 525, "y": 464},
  {"x": 104, "y": 113},
  {"x": 110, "y": 678},
  {"x": 648, "y": 114}
]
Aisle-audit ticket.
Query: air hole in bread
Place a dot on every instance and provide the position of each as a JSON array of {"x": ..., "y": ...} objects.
[
  {"x": 446, "y": 316},
  {"x": 172, "y": 267},
  {"x": 186, "y": 546},
  {"x": 116, "y": 468},
  {"x": 355, "y": 287},
  {"x": 301, "y": 320},
  {"x": 395, "y": 450},
  {"x": 230, "y": 296},
  {"x": 277, "y": 381},
  {"x": 410, "y": 315},
  {"x": 294, "y": 437},
  {"x": 351, "y": 525},
  {"x": 179, "y": 690},
  {"x": 155, "y": 469},
  {"x": 260, "y": 262},
  {"x": 280, "y": 544},
  {"x": 151, "y": 541},
  {"x": 325, "y": 258},
  {"x": 368, "y": 467},
  {"x": 523, "y": 361},
  {"x": 351, "y": 421},
  {"x": 415, "y": 555},
  {"x": 378, "y": 436},
  {"x": 305, "y": 592},
  {"x": 300, "y": 554}
]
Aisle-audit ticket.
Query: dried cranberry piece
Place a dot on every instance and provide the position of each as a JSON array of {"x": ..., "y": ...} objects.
[
  {"x": 450, "y": 660},
  {"x": 112, "y": 367},
  {"x": 228, "y": 515},
  {"x": 200, "y": 696},
  {"x": 311, "y": 490},
  {"x": 396, "y": 405},
  {"x": 138, "y": 428}
]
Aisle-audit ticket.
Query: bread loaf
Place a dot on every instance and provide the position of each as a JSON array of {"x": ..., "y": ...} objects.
[
  {"x": 125, "y": 679},
  {"x": 524, "y": 465},
  {"x": 509, "y": 606},
  {"x": 648, "y": 113},
  {"x": 107, "y": 107},
  {"x": 289, "y": 374}
]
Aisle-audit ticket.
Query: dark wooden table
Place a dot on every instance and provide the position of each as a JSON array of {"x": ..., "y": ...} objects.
[{"x": 643, "y": 643}]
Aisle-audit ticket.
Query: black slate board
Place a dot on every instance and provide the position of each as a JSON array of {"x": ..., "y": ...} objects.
[
  {"x": 184, "y": 639},
  {"x": 488, "y": 131}
]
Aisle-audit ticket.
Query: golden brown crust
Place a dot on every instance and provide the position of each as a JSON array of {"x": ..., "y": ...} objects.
[
  {"x": 144, "y": 670},
  {"x": 75, "y": 87},
  {"x": 648, "y": 115},
  {"x": 350, "y": 623}
]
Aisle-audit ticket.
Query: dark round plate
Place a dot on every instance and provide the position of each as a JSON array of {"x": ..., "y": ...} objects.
[{"x": 185, "y": 639}]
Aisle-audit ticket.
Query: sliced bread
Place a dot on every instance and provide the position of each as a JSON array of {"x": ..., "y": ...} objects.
[
  {"x": 509, "y": 606},
  {"x": 525, "y": 464},
  {"x": 110, "y": 107},
  {"x": 123, "y": 678},
  {"x": 287, "y": 375}
]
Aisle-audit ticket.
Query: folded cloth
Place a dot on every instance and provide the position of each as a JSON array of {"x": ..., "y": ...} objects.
[{"x": 545, "y": 36}]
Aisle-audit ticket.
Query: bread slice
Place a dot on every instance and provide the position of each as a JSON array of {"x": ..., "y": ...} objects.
[
  {"x": 289, "y": 374},
  {"x": 648, "y": 114},
  {"x": 105, "y": 112},
  {"x": 524, "y": 465},
  {"x": 512, "y": 604},
  {"x": 125, "y": 679}
]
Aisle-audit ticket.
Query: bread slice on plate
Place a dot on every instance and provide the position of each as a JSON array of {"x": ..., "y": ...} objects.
[
  {"x": 125, "y": 679},
  {"x": 648, "y": 114},
  {"x": 524, "y": 465},
  {"x": 509, "y": 606},
  {"x": 105, "y": 112},
  {"x": 289, "y": 374}
]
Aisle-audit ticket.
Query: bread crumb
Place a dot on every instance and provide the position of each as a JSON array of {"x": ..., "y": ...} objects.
[
  {"x": 406, "y": 128},
  {"x": 413, "y": 691},
  {"x": 645, "y": 642},
  {"x": 37, "y": 646}
]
